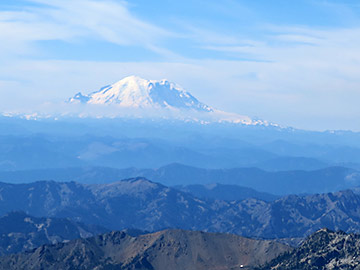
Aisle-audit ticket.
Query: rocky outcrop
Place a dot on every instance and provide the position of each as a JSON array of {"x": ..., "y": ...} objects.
[{"x": 324, "y": 249}]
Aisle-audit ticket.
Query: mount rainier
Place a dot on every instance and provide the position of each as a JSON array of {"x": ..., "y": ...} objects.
[
  {"x": 140, "y": 93},
  {"x": 136, "y": 96}
]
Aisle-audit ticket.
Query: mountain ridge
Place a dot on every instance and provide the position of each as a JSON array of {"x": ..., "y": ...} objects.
[
  {"x": 324, "y": 249},
  {"x": 163, "y": 250},
  {"x": 277, "y": 183},
  {"x": 148, "y": 206}
]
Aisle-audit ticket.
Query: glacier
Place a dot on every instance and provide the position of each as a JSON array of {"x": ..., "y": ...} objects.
[{"x": 137, "y": 97}]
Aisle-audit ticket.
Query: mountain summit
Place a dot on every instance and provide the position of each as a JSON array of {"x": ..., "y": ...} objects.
[
  {"x": 135, "y": 92},
  {"x": 137, "y": 97}
]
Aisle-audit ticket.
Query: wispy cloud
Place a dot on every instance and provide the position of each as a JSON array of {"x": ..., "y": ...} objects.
[{"x": 70, "y": 21}]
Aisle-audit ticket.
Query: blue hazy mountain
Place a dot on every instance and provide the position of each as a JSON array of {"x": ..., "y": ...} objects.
[
  {"x": 146, "y": 205},
  {"x": 226, "y": 192},
  {"x": 39, "y": 151},
  {"x": 21, "y": 232},
  {"x": 252, "y": 181}
]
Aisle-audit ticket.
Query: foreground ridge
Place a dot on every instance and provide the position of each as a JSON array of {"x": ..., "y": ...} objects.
[{"x": 168, "y": 249}]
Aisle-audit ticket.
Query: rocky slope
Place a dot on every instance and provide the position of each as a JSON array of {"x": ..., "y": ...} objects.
[
  {"x": 20, "y": 232},
  {"x": 324, "y": 249},
  {"x": 169, "y": 249}
]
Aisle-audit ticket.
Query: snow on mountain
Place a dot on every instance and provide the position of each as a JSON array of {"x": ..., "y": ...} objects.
[
  {"x": 136, "y": 92},
  {"x": 134, "y": 97},
  {"x": 165, "y": 99}
]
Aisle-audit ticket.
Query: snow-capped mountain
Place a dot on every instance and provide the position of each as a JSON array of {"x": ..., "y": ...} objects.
[
  {"x": 134, "y": 96},
  {"x": 136, "y": 92}
]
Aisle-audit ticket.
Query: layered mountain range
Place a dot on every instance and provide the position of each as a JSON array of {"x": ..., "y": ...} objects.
[
  {"x": 241, "y": 176},
  {"x": 142, "y": 204},
  {"x": 236, "y": 183},
  {"x": 144, "y": 145}
]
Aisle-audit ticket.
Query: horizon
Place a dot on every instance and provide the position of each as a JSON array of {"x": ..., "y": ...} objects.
[{"x": 292, "y": 64}]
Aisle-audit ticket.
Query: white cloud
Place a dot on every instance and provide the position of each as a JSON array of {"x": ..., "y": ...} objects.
[{"x": 69, "y": 21}]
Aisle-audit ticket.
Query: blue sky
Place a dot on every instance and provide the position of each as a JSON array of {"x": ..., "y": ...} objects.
[{"x": 296, "y": 63}]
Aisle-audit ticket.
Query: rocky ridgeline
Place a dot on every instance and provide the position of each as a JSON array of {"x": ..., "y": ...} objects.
[
  {"x": 164, "y": 250},
  {"x": 324, "y": 249}
]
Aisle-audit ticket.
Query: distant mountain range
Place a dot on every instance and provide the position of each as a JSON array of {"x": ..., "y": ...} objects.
[
  {"x": 39, "y": 150},
  {"x": 224, "y": 141},
  {"x": 226, "y": 192},
  {"x": 142, "y": 204},
  {"x": 169, "y": 249},
  {"x": 250, "y": 181}
]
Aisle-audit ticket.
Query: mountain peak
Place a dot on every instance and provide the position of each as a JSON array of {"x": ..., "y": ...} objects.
[
  {"x": 136, "y": 97},
  {"x": 136, "y": 92}
]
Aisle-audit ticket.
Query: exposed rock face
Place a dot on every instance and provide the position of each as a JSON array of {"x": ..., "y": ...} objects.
[
  {"x": 324, "y": 249},
  {"x": 164, "y": 250},
  {"x": 20, "y": 232}
]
